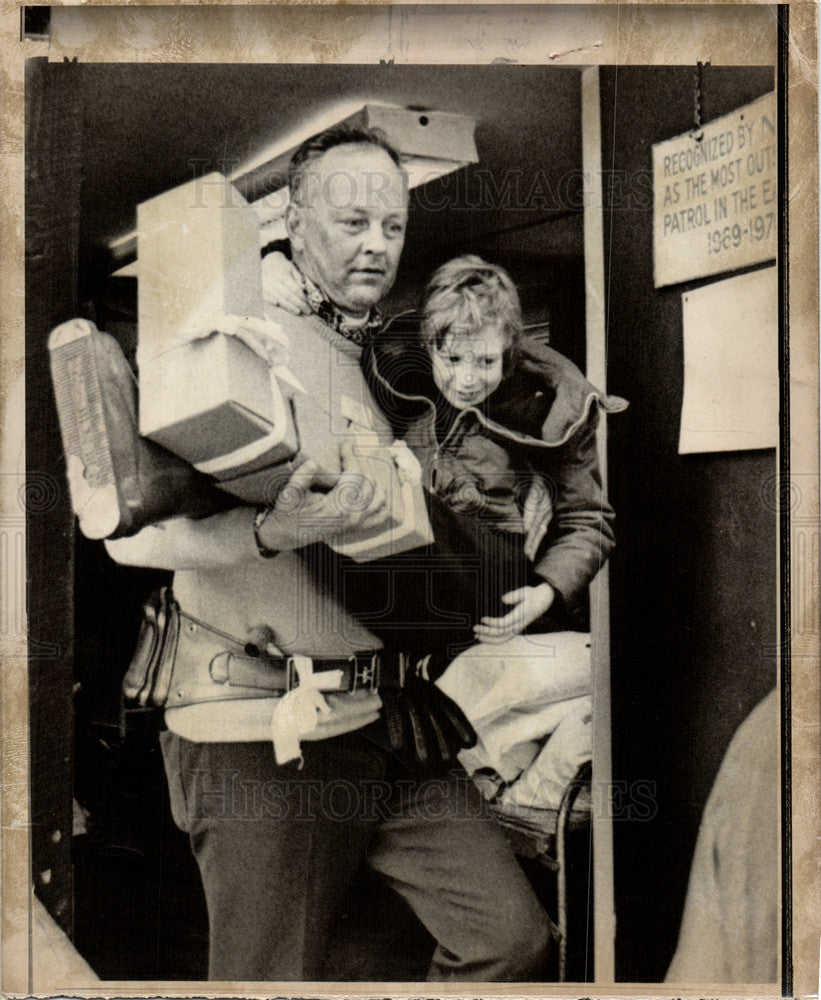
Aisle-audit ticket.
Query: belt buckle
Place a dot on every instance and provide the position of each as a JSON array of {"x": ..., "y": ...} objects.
[{"x": 365, "y": 674}]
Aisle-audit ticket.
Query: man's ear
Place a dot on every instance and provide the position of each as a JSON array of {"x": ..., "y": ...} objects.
[{"x": 294, "y": 224}]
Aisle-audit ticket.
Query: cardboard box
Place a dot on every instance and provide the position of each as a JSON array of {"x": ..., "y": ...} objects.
[
  {"x": 409, "y": 526},
  {"x": 198, "y": 252},
  {"x": 213, "y": 401}
]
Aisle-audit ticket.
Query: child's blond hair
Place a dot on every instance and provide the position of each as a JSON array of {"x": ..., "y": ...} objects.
[{"x": 466, "y": 295}]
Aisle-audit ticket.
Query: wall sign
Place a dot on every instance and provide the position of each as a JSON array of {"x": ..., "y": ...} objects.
[
  {"x": 715, "y": 200},
  {"x": 731, "y": 364}
]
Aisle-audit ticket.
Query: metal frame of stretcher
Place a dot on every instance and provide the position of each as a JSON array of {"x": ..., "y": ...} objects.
[{"x": 541, "y": 834}]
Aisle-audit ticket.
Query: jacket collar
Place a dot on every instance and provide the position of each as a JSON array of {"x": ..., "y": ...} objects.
[{"x": 540, "y": 374}]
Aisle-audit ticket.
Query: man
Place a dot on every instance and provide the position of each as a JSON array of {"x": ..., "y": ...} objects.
[{"x": 279, "y": 846}]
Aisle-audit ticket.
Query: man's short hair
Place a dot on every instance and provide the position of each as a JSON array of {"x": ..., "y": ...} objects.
[
  {"x": 466, "y": 295},
  {"x": 339, "y": 135}
]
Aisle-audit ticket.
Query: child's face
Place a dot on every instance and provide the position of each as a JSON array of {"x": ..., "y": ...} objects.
[{"x": 468, "y": 366}]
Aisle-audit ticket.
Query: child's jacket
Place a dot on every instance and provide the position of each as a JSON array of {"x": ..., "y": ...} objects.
[{"x": 524, "y": 461}]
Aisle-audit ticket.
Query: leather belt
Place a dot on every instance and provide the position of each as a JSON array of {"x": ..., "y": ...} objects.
[{"x": 212, "y": 666}]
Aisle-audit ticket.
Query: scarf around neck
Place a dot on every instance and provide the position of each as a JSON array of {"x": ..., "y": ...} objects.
[{"x": 328, "y": 312}]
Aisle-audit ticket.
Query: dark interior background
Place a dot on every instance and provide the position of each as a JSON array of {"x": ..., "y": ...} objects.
[{"x": 693, "y": 580}]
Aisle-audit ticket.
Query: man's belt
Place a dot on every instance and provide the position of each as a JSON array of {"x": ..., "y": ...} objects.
[
  {"x": 181, "y": 660},
  {"x": 212, "y": 667}
]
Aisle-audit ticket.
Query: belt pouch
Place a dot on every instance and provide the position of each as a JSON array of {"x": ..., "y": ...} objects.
[{"x": 148, "y": 678}]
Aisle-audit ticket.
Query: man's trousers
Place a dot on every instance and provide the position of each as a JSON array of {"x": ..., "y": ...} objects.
[{"x": 279, "y": 849}]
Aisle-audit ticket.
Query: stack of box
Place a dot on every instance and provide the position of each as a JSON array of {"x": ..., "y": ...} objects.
[{"x": 210, "y": 399}]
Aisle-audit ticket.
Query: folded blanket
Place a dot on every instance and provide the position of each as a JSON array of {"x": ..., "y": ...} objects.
[
  {"x": 516, "y": 695},
  {"x": 542, "y": 785}
]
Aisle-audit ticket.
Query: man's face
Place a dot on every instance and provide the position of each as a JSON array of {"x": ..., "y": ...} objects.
[
  {"x": 348, "y": 231},
  {"x": 467, "y": 368}
]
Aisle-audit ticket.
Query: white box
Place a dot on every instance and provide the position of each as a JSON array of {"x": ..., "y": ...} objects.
[
  {"x": 198, "y": 253},
  {"x": 212, "y": 397}
]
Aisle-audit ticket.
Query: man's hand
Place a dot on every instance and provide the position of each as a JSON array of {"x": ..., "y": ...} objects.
[
  {"x": 313, "y": 506},
  {"x": 531, "y": 602},
  {"x": 307, "y": 511},
  {"x": 281, "y": 285}
]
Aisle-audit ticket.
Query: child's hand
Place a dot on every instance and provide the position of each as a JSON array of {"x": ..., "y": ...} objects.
[
  {"x": 282, "y": 285},
  {"x": 530, "y": 603}
]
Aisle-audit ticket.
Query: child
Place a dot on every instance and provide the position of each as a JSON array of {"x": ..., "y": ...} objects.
[{"x": 504, "y": 429}]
